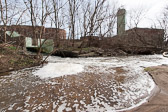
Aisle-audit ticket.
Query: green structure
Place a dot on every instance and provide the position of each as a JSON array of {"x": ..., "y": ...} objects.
[
  {"x": 121, "y": 21},
  {"x": 13, "y": 34},
  {"x": 47, "y": 44}
]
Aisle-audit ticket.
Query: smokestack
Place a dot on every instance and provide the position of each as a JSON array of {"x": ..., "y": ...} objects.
[{"x": 121, "y": 21}]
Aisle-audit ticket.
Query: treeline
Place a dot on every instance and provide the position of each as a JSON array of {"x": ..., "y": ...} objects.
[{"x": 79, "y": 18}]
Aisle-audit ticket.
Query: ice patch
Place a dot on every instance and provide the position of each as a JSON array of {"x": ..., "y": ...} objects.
[{"x": 52, "y": 70}]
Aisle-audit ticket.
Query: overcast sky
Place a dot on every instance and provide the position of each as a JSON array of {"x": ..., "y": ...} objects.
[{"x": 154, "y": 9}]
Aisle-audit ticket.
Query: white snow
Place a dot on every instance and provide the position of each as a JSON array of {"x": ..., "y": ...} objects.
[
  {"x": 61, "y": 107},
  {"x": 68, "y": 109},
  {"x": 52, "y": 70},
  {"x": 11, "y": 106},
  {"x": 65, "y": 66}
]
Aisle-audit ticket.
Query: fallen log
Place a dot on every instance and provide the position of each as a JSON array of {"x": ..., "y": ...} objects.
[{"x": 65, "y": 53}]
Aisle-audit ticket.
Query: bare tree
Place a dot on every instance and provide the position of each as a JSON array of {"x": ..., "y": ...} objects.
[
  {"x": 163, "y": 23},
  {"x": 32, "y": 8},
  {"x": 38, "y": 20},
  {"x": 45, "y": 12},
  {"x": 109, "y": 20},
  {"x": 98, "y": 17},
  {"x": 58, "y": 18},
  {"x": 73, "y": 12},
  {"x": 11, "y": 14},
  {"x": 135, "y": 16},
  {"x": 4, "y": 16}
]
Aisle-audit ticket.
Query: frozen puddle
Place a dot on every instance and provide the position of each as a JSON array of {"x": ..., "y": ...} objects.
[{"x": 80, "y": 84}]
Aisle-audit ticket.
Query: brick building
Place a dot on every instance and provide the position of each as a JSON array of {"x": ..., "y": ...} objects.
[
  {"x": 28, "y": 31},
  {"x": 48, "y": 33},
  {"x": 53, "y": 32},
  {"x": 136, "y": 41},
  {"x": 142, "y": 37}
]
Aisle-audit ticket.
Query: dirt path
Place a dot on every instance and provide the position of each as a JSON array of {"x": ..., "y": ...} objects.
[{"x": 159, "y": 102}]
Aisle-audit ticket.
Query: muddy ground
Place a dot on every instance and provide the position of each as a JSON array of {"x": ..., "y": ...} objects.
[
  {"x": 87, "y": 91},
  {"x": 75, "y": 91}
]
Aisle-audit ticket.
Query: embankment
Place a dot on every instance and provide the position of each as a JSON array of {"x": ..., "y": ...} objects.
[
  {"x": 12, "y": 59},
  {"x": 158, "y": 102}
]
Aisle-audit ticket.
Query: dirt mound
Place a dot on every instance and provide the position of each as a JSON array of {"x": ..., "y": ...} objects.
[{"x": 12, "y": 58}]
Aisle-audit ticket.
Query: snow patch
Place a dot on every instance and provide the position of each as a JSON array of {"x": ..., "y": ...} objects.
[
  {"x": 52, "y": 70},
  {"x": 62, "y": 107}
]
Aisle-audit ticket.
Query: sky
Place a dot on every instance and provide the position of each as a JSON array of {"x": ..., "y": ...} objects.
[{"x": 152, "y": 9}]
